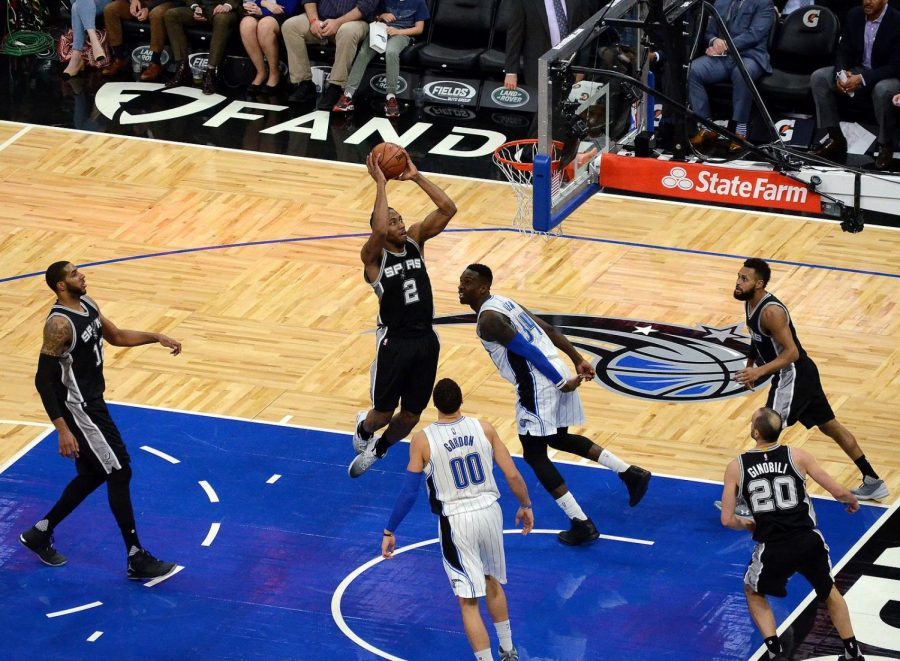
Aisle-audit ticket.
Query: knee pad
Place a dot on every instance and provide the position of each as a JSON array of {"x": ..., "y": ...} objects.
[
  {"x": 571, "y": 443},
  {"x": 534, "y": 451}
]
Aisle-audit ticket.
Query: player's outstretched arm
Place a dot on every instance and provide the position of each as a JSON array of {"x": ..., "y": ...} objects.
[
  {"x": 437, "y": 220},
  {"x": 371, "y": 250},
  {"x": 513, "y": 477},
  {"x": 807, "y": 462},
  {"x": 729, "y": 499},
  {"x": 419, "y": 455},
  {"x": 121, "y": 337},
  {"x": 58, "y": 338}
]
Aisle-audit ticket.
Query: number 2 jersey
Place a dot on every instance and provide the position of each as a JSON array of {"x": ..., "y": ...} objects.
[
  {"x": 405, "y": 304},
  {"x": 776, "y": 493},
  {"x": 460, "y": 476},
  {"x": 82, "y": 363}
]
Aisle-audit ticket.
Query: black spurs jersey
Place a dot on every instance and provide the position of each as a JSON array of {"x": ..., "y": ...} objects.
[
  {"x": 403, "y": 288},
  {"x": 765, "y": 348},
  {"x": 82, "y": 363},
  {"x": 776, "y": 493}
]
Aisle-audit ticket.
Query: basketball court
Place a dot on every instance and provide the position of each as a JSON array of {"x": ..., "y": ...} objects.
[{"x": 252, "y": 262}]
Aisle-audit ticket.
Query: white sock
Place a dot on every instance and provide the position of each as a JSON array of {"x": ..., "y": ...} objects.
[
  {"x": 42, "y": 525},
  {"x": 484, "y": 655},
  {"x": 134, "y": 550},
  {"x": 611, "y": 461},
  {"x": 570, "y": 506},
  {"x": 504, "y": 633},
  {"x": 349, "y": 93}
]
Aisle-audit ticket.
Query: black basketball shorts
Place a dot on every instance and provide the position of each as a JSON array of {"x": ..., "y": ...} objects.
[
  {"x": 100, "y": 446},
  {"x": 773, "y": 563},
  {"x": 404, "y": 371},
  {"x": 797, "y": 395}
]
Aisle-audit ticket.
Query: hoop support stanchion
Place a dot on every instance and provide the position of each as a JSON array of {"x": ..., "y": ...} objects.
[{"x": 542, "y": 193}]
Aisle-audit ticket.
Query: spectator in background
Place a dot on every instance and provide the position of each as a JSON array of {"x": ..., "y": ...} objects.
[
  {"x": 534, "y": 27},
  {"x": 259, "y": 30},
  {"x": 140, "y": 10},
  {"x": 341, "y": 22},
  {"x": 867, "y": 67},
  {"x": 198, "y": 13},
  {"x": 405, "y": 20},
  {"x": 749, "y": 23},
  {"x": 84, "y": 19}
]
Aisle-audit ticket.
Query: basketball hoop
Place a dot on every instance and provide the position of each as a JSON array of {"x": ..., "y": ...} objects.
[{"x": 516, "y": 161}]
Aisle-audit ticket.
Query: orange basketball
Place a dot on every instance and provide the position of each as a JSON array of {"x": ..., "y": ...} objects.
[{"x": 393, "y": 160}]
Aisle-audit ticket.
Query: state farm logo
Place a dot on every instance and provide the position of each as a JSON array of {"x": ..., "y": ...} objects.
[
  {"x": 379, "y": 84},
  {"x": 452, "y": 91},
  {"x": 142, "y": 55},
  {"x": 735, "y": 186},
  {"x": 811, "y": 18},
  {"x": 510, "y": 98},
  {"x": 677, "y": 178}
]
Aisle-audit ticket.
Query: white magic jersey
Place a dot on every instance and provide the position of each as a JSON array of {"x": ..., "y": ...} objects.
[
  {"x": 514, "y": 368},
  {"x": 541, "y": 409},
  {"x": 460, "y": 475}
]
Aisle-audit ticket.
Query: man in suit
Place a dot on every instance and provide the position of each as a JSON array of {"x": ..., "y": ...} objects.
[
  {"x": 749, "y": 23},
  {"x": 534, "y": 27},
  {"x": 867, "y": 67}
]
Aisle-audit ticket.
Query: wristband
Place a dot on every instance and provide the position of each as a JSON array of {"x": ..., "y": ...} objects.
[
  {"x": 388, "y": 534},
  {"x": 524, "y": 507}
]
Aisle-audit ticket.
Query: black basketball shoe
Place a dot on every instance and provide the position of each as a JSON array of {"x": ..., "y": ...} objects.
[
  {"x": 581, "y": 531},
  {"x": 142, "y": 566},
  {"x": 636, "y": 479},
  {"x": 42, "y": 545}
]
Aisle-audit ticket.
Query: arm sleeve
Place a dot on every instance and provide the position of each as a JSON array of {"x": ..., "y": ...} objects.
[
  {"x": 48, "y": 374},
  {"x": 405, "y": 500},
  {"x": 522, "y": 347}
]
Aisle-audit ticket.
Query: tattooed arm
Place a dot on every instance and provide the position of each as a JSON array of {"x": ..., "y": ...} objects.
[{"x": 58, "y": 337}]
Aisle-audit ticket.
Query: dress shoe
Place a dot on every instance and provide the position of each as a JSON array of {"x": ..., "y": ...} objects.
[
  {"x": 833, "y": 150},
  {"x": 329, "y": 97},
  {"x": 152, "y": 73},
  {"x": 209, "y": 80},
  {"x": 703, "y": 138},
  {"x": 303, "y": 93},
  {"x": 885, "y": 157},
  {"x": 735, "y": 148},
  {"x": 68, "y": 75},
  {"x": 117, "y": 66},
  {"x": 183, "y": 75}
]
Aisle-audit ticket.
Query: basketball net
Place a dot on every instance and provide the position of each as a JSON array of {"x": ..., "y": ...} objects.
[{"x": 516, "y": 161}]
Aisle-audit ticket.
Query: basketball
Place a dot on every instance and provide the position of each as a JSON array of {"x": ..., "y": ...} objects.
[{"x": 393, "y": 160}]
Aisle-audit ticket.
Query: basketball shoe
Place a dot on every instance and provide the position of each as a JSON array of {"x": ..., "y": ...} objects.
[
  {"x": 581, "y": 531},
  {"x": 364, "y": 460},
  {"x": 142, "y": 565},
  {"x": 871, "y": 489},
  {"x": 507, "y": 655},
  {"x": 636, "y": 479},
  {"x": 42, "y": 545},
  {"x": 360, "y": 443}
]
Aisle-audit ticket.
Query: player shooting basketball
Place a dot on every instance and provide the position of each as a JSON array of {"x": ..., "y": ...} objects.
[{"x": 406, "y": 357}]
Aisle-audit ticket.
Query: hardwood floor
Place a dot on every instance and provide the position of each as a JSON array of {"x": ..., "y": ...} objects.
[{"x": 280, "y": 323}]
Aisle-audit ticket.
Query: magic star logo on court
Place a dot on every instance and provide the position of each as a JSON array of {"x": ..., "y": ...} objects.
[{"x": 649, "y": 360}]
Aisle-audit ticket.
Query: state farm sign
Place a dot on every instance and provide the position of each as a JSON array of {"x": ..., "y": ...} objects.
[{"x": 707, "y": 183}]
